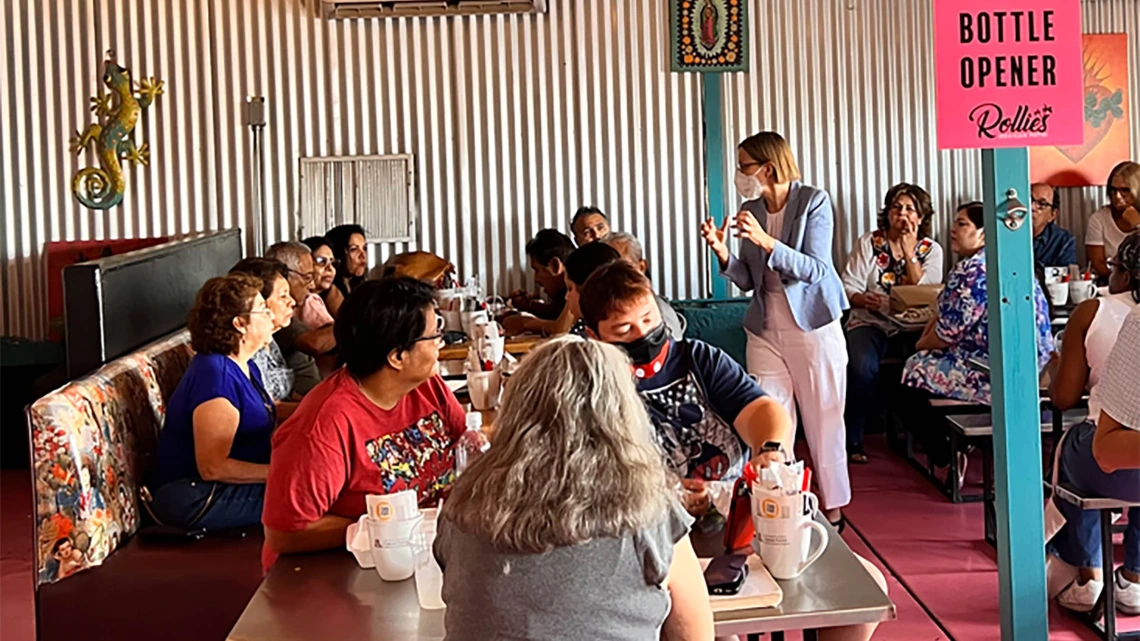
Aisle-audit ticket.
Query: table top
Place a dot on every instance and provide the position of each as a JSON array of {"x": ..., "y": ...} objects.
[
  {"x": 514, "y": 345},
  {"x": 308, "y": 596},
  {"x": 973, "y": 425}
]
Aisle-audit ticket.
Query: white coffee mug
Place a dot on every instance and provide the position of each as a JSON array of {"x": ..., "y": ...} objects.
[
  {"x": 484, "y": 389},
  {"x": 785, "y": 545},
  {"x": 394, "y": 556},
  {"x": 1058, "y": 293},
  {"x": 452, "y": 320},
  {"x": 1081, "y": 290}
]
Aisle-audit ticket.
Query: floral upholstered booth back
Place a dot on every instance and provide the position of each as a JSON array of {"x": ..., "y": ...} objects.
[{"x": 93, "y": 443}]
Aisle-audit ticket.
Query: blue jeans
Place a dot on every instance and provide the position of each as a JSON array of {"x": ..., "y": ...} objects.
[
  {"x": 866, "y": 347},
  {"x": 1078, "y": 542},
  {"x": 195, "y": 504}
]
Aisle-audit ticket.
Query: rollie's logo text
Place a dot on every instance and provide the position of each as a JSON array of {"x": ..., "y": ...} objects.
[{"x": 992, "y": 122}]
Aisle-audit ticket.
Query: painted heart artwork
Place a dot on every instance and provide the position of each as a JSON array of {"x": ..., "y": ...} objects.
[{"x": 1106, "y": 122}]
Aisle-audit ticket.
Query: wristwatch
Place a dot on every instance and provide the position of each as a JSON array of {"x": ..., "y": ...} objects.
[
  {"x": 774, "y": 446},
  {"x": 913, "y": 259}
]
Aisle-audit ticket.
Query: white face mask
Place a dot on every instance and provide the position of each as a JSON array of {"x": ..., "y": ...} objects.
[{"x": 748, "y": 186}]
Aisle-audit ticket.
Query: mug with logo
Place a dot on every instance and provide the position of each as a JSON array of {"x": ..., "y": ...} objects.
[
  {"x": 1081, "y": 290},
  {"x": 784, "y": 524}
]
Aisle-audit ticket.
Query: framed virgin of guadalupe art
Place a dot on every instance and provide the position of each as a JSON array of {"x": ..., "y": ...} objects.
[{"x": 709, "y": 36}]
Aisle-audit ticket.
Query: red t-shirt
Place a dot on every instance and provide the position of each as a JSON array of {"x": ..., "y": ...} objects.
[{"x": 338, "y": 447}]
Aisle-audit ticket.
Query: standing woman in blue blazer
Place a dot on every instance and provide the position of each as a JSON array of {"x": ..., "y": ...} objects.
[{"x": 796, "y": 346}]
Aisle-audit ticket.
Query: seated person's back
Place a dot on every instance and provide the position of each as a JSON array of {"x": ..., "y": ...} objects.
[{"x": 571, "y": 506}]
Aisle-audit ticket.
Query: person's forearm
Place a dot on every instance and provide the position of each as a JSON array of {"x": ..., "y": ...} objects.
[
  {"x": 722, "y": 256},
  {"x": 914, "y": 273},
  {"x": 1115, "y": 447},
  {"x": 285, "y": 409},
  {"x": 560, "y": 325},
  {"x": 763, "y": 421},
  {"x": 326, "y": 533},
  {"x": 930, "y": 340},
  {"x": 233, "y": 471},
  {"x": 543, "y": 309},
  {"x": 858, "y": 301},
  {"x": 317, "y": 341}
]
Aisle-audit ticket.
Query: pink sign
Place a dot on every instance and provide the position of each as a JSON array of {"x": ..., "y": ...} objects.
[{"x": 1009, "y": 73}]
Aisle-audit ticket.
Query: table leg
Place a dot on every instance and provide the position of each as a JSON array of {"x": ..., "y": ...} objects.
[
  {"x": 990, "y": 509},
  {"x": 952, "y": 475},
  {"x": 1107, "y": 560}
]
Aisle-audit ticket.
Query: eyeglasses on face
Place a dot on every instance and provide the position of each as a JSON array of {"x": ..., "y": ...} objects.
[
  {"x": 1123, "y": 191},
  {"x": 305, "y": 278},
  {"x": 325, "y": 261},
  {"x": 1042, "y": 204},
  {"x": 438, "y": 335}
]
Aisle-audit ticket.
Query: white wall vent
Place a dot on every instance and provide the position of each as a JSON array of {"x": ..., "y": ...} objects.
[{"x": 375, "y": 192}]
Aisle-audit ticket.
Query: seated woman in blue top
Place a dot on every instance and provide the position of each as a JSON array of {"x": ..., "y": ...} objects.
[
  {"x": 213, "y": 451},
  {"x": 959, "y": 331},
  {"x": 796, "y": 347}
]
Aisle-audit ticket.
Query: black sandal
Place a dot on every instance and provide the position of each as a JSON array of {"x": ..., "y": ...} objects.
[
  {"x": 858, "y": 457},
  {"x": 840, "y": 525}
]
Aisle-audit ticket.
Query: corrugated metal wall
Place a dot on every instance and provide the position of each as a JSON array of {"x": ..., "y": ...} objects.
[{"x": 514, "y": 120}]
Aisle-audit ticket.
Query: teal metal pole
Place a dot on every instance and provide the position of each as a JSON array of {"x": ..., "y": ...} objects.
[
  {"x": 715, "y": 176},
  {"x": 1016, "y": 407}
]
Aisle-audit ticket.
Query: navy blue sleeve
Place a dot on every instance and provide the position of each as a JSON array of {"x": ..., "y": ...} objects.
[
  {"x": 213, "y": 379},
  {"x": 730, "y": 389},
  {"x": 1068, "y": 248}
]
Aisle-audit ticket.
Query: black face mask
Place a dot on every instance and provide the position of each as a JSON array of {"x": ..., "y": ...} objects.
[{"x": 648, "y": 347}]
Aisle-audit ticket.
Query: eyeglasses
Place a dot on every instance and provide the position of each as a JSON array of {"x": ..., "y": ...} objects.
[
  {"x": 438, "y": 336},
  {"x": 305, "y": 278},
  {"x": 1118, "y": 190},
  {"x": 265, "y": 310},
  {"x": 325, "y": 261},
  {"x": 1042, "y": 204},
  {"x": 743, "y": 165}
]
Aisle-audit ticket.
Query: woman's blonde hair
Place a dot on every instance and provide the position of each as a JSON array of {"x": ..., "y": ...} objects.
[
  {"x": 1130, "y": 172},
  {"x": 769, "y": 146},
  {"x": 572, "y": 455}
]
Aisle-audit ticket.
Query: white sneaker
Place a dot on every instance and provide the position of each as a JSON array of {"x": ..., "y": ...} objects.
[
  {"x": 1127, "y": 594},
  {"x": 1081, "y": 598},
  {"x": 1058, "y": 575}
]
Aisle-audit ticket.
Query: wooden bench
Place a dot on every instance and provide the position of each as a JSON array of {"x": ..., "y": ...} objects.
[
  {"x": 1106, "y": 507},
  {"x": 977, "y": 429}
]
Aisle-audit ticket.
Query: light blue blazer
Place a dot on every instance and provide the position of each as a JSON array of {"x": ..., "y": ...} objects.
[{"x": 802, "y": 257}]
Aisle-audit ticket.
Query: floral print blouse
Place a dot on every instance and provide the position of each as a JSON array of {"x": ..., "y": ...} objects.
[
  {"x": 963, "y": 321},
  {"x": 276, "y": 374},
  {"x": 872, "y": 269}
]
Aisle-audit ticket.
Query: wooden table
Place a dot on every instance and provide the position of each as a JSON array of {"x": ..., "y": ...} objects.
[
  {"x": 315, "y": 596},
  {"x": 515, "y": 345}
]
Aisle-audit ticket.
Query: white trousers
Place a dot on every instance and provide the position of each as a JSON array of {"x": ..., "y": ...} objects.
[{"x": 810, "y": 369}]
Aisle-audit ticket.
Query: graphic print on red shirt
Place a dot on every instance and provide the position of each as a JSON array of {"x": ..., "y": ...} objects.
[{"x": 418, "y": 456}]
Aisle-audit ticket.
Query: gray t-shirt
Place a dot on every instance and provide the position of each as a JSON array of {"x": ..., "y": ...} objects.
[
  {"x": 605, "y": 589},
  {"x": 306, "y": 376},
  {"x": 670, "y": 317}
]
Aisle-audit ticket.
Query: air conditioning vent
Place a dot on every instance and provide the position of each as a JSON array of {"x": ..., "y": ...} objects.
[
  {"x": 349, "y": 9},
  {"x": 375, "y": 192}
]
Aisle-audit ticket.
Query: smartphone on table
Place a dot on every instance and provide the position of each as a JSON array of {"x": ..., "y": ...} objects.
[{"x": 725, "y": 574}]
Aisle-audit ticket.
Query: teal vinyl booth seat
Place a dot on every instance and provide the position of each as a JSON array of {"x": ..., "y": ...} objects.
[{"x": 717, "y": 322}]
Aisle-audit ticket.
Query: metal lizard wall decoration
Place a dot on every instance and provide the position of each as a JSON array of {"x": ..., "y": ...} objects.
[{"x": 103, "y": 187}]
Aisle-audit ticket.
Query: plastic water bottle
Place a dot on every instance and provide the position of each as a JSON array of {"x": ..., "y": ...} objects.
[{"x": 472, "y": 443}]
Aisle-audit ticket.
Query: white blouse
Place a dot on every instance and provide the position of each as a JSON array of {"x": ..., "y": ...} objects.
[
  {"x": 1116, "y": 393},
  {"x": 871, "y": 269},
  {"x": 1103, "y": 232}
]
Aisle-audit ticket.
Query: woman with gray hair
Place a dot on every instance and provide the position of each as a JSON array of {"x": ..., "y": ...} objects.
[{"x": 571, "y": 506}]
